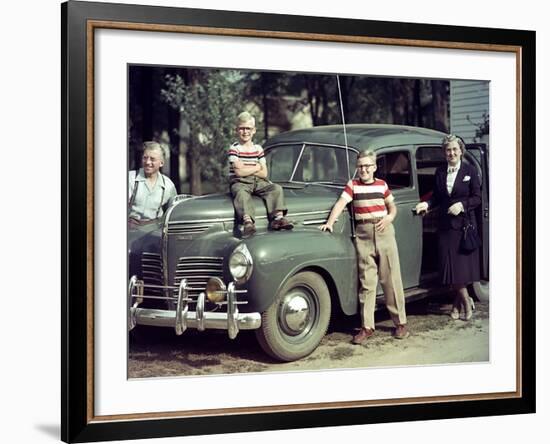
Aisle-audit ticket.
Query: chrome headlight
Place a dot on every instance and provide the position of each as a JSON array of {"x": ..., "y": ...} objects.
[{"x": 240, "y": 263}]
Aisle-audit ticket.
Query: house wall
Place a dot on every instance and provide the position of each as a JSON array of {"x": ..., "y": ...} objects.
[{"x": 469, "y": 101}]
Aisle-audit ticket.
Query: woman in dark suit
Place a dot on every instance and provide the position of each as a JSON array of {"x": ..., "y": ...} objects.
[{"x": 456, "y": 194}]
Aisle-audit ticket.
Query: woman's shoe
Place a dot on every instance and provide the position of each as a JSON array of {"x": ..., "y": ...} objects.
[
  {"x": 468, "y": 310},
  {"x": 455, "y": 314}
]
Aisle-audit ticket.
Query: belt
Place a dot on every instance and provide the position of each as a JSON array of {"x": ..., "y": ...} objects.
[
  {"x": 374, "y": 220},
  {"x": 135, "y": 222}
]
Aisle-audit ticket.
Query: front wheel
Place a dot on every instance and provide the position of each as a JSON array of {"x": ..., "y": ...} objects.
[
  {"x": 479, "y": 291},
  {"x": 293, "y": 326}
]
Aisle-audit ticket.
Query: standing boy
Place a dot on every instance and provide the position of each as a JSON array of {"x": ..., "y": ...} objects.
[
  {"x": 377, "y": 255},
  {"x": 248, "y": 176}
]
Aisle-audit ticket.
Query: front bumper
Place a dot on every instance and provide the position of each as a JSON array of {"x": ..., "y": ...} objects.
[{"x": 181, "y": 318}]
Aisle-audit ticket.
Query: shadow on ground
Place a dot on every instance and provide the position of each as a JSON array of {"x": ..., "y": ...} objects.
[{"x": 159, "y": 352}]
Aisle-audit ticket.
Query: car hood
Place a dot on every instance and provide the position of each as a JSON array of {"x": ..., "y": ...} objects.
[{"x": 299, "y": 199}]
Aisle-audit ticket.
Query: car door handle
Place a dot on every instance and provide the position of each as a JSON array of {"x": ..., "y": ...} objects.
[{"x": 413, "y": 210}]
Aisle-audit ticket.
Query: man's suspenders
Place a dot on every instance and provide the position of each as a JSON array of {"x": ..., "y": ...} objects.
[{"x": 134, "y": 192}]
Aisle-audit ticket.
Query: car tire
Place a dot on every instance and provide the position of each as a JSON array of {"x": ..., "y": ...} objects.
[
  {"x": 293, "y": 326},
  {"x": 479, "y": 291}
]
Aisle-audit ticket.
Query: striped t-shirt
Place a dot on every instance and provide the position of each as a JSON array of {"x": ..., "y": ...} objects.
[
  {"x": 249, "y": 155},
  {"x": 369, "y": 200}
]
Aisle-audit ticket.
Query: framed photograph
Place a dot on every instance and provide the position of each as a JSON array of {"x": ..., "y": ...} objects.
[{"x": 178, "y": 318}]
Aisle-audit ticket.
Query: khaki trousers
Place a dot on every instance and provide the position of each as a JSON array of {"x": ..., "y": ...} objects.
[
  {"x": 243, "y": 189},
  {"x": 378, "y": 258}
]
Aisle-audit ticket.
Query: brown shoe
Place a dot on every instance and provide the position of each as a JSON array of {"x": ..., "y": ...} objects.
[
  {"x": 401, "y": 332},
  {"x": 362, "y": 336},
  {"x": 281, "y": 224},
  {"x": 248, "y": 229}
]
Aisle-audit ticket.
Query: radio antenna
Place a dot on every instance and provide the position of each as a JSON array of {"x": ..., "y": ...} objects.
[
  {"x": 347, "y": 151},
  {"x": 343, "y": 123}
]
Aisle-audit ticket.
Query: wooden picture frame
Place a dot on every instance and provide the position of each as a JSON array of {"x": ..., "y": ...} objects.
[{"x": 80, "y": 20}]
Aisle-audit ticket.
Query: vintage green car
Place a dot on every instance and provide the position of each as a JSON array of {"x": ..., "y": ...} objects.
[{"x": 195, "y": 270}]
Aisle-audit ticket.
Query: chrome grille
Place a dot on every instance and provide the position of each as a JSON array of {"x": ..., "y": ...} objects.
[
  {"x": 189, "y": 227},
  {"x": 151, "y": 267},
  {"x": 151, "y": 271},
  {"x": 197, "y": 271}
]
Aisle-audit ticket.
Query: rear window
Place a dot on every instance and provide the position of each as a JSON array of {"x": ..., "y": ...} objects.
[
  {"x": 428, "y": 158},
  {"x": 395, "y": 169}
]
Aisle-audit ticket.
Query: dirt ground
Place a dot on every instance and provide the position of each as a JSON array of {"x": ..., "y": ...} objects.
[{"x": 435, "y": 339}]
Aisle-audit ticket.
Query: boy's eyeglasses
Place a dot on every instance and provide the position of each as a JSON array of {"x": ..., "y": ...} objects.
[
  {"x": 245, "y": 128},
  {"x": 365, "y": 166}
]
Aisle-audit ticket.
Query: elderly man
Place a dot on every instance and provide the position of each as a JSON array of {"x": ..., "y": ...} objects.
[{"x": 149, "y": 191}]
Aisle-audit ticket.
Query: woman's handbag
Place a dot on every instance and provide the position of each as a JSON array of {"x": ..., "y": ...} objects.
[{"x": 470, "y": 240}]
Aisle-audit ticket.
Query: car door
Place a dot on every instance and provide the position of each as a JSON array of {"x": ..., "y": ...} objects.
[
  {"x": 478, "y": 155},
  {"x": 428, "y": 158},
  {"x": 395, "y": 166}
]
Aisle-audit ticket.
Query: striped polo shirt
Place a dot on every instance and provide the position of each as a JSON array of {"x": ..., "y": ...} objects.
[
  {"x": 369, "y": 200},
  {"x": 249, "y": 155}
]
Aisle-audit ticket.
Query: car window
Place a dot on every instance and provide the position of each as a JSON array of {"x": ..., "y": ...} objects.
[
  {"x": 280, "y": 161},
  {"x": 325, "y": 164},
  {"x": 428, "y": 158},
  {"x": 395, "y": 169},
  {"x": 310, "y": 163}
]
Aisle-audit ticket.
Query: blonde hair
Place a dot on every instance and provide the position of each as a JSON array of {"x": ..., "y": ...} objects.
[
  {"x": 367, "y": 153},
  {"x": 245, "y": 116}
]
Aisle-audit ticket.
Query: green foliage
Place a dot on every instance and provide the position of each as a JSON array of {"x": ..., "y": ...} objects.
[
  {"x": 200, "y": 106},
  {"x": 208, "y": 102},
  {"x": 483, "y": 127},
  {"x": 266, "y": 91}
]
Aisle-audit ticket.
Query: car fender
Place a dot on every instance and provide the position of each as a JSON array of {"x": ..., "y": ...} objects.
[{"x": 279, "y": 255}]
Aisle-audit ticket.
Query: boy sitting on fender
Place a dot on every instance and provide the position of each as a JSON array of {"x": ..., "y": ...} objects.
[{"x": 248, "y": 176}]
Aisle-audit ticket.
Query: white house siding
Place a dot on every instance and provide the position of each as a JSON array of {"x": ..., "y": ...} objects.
[{"x": 469, "y": 98}]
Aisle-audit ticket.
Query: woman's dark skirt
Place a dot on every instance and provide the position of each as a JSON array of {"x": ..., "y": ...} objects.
[{"x": 455, "y": 267}]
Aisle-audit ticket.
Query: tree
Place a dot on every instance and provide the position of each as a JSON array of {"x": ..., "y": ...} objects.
[
  {"x": 440, "y": 100},
  {"x": 322, "y": 96},
  {"x": 208, "y": 102},
  {"x": 265, "y": 90}
]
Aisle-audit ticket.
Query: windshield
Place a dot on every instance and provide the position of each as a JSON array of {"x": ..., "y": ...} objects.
[{"x": 309, "y": 163}]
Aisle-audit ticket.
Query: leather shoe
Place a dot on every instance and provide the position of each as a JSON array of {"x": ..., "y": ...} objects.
[
  {"x": 248, "y": 229},
  {"x": 281, "y": 224},
  {"x": 401, "y": 332},
  {"x": 362, "y": 336}
]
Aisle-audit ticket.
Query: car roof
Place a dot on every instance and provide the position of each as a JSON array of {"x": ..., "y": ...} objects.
[{"x": 361, "y": 136}]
